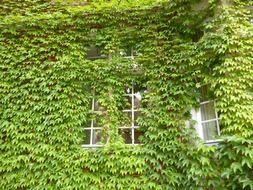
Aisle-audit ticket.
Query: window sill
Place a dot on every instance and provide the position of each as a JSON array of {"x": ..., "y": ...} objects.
[
  {"x": 213, "y": 142},
  {"x": 102, "y": 145}
]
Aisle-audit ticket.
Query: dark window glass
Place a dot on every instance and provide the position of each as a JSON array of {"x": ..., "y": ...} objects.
[{"x": 126, "y": 135}]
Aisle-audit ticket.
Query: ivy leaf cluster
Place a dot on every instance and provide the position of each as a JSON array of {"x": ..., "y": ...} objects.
[{"x": 47, "y": 82}]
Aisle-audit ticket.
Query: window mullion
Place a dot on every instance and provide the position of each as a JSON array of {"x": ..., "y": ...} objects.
[
  {"x": 132, "y": 111},
  {"x": 92, "y": 120},
  {"x": 217, "y": 121}
]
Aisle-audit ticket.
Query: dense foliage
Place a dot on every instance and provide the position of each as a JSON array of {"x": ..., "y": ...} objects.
[{"x": 181, "y": 46}]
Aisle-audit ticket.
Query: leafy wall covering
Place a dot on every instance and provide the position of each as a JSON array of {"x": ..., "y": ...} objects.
[{"x": 181, "y": 46}]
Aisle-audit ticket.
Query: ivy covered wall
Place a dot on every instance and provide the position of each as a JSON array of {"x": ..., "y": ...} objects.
[{"x": 181, "y": 46}]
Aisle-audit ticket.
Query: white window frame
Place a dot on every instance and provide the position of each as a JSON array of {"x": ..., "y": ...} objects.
[
  {"x": 91, "y": 128},
  {"x": 132, "y": 127},
  {"x": 132, "y": 110},
  {"x": 197, "y": 116}
]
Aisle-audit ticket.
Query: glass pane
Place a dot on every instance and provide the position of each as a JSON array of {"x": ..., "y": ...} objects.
[
  {"x": 205, "y": 93},
  {"x": 87, "y": 136},
  {"x": 127, "y": 119},
  {"x": 96, "y": 105},
  {"x": 97, "y": 121},
  {"x": 128, "y": 114},
  {"x": 210, "y": 130},
  {"x": 137, "y": 135},
  {"x": 93, "y": 52},
  {"x": 138, "y": 88},
  {"x": 126, "y": 135},
  {"x": 137, "y": 100},
  {"x": 126, "y": 52},
  {"x": 207, "y": 111},
  {"x": 88, "y": 123},
  {"x": 96, "y": 136},
  {"x": 90, "y": 104},
  {"x": 129, "y": 52},
  {"x": 128, "y": 89},
  {"x": 136, "y": 115},
  {"x": 128, "y": 102}
]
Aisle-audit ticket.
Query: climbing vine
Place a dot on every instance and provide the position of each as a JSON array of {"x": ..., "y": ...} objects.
[{"x": 47, "y": 83}]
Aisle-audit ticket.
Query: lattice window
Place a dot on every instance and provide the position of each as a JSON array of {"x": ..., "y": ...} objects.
[
  {"x": 93, "y": 130},
  {"x": 130, "y": 131}
]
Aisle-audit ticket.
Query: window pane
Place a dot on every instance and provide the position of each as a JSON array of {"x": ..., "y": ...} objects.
[
  {"x": 97, "y": 121},
  {"x": 87, "y": 136},
  {"x": 137, "y": 100},
  {"x": 136, "y": 115},
  {"x": 96, "y": 105},
  {"x": 127, "y": 120},
  {"x": 206, "y": 93},
  {"x": 128, "y": 115},
  {"x": 88, "y": 123},
  {"x": 210, "y": 130},
  {"x": 128, "y": 89},
  {"x": 91, "y": 104},
  {"x": 126, "y": 135},
  {"x": 139, "y": 89},
  {"x": 137, "y": 135},
  {"x": 128, "y": 102},
  {"x": 93, "y": 52},
  {"x": 207, "y": 111},
  {"x": 96, "y": 137},
  {"x": 127, "y": 52}
]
